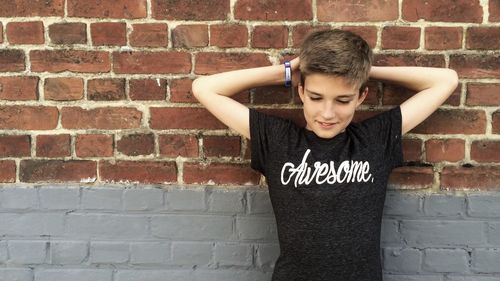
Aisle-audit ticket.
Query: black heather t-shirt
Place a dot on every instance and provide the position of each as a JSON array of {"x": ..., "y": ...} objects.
[{"x": 327, "y": 194}]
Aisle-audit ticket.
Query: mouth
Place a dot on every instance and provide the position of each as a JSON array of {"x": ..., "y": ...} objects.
[{"x": 326, "y": 125}]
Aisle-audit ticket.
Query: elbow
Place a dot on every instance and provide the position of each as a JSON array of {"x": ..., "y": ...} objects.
[
  {"x": 196, "y": 87},
  {"x": 453, "y": 78}
]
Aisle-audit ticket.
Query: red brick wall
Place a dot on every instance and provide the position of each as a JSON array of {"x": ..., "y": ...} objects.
[{"x": 99, "y": 91}]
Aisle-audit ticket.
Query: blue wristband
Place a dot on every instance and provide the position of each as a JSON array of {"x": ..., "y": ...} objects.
[{"x": 288, "y": 74}]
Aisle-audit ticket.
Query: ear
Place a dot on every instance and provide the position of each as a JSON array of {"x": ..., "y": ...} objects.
[
  {"x": 300, "y": 89},
  {"x": 362, "y": 97}
]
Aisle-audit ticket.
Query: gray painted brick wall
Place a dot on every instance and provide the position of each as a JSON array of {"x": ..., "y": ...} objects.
[{"x": 149, "y": 233}]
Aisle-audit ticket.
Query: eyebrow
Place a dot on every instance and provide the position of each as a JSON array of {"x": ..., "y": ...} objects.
[{"x": 341, "y": 96}]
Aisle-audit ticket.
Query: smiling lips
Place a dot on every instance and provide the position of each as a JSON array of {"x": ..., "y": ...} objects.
[{"x": 326, "y": 125}]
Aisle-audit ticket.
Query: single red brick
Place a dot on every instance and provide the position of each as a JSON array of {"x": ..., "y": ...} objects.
[
  {"x": 220, "y": 173},
  {"x": 136, "y": 144},
  {"x": 190, "y": 10},
  {"x": 437, "y": 150},
  {"x": 30, "y": 8},
  {"x": 227, "y": 36},
  {"x": 272, "y": 95},
  {"x": 329, "y": 11},
  {"x": 400, "y": 37},
  {"x": 68, "y": 33},
  {"x": 396, "y": 95},
  {"x": 151, "y": 62},
  {"x": 53, "y": 145},
  {"x": 94, "y": 145},
  {"x": 149, "y": 35},
  {"x": 270, "y": 37},
  {"x": 183, "y": 118},
  {"x": 446, "y": 11},
  {"x": 178, "y": 145},
  {"x": 189, "y": 36},
  {"x": 108, "y": 33},
  {"x": 454, "y": 121},
  {"x": 7, "y": 171},
  {"x": 483, "y": 38},
  {"x": 11, "y": 60},
  {"x": 409, "y": 59},
  {"x": 412, "y": 150},
  {"x": 209, "y": 63},
  {"x": 181, "y": 91},
  {"x": 69, "y": 60},
  {"x": 129, "y": 9},
  {"x": 300, "y": 31},
  {"x": 25, "y": 32},
  {"x": 483, "y": 94},
  {"x": 57, "y": 171},
  {"x": 63, "y": 88},
  {"x": 476, "y": 65},
  {"x": 485, "y": 151},
  {"x": 411, "y": 178},
  {"x": 19, "y": 88},
  {"x": 106, "y": 89},
  {"x": 443, "y": 38},
  {"x": 138, "y": 171},
  {"x": 496, "y": 122},
  {"x": 15, "y": 145},
  {"x": 494, "y": 10},
  {"x": 481, "y": 177},
  {"x": 277, "y": 10},
  {"x": 100, "y": 118},
  {"x": 1, "y": 32},
  {"x": 219, "y": 146},
  {"x": 148, "y": 89},
  {"x": 368, "y": 33},
  {"x": 22, "y": 117}
]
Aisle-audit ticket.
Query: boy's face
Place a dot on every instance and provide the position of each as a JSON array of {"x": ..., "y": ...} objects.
[{"x": 329, "y": 103}]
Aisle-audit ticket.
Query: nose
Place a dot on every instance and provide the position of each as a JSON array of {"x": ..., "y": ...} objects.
[{"x": 328, "y": 112}]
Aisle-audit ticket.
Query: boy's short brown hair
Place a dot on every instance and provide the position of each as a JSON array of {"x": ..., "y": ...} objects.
[{"x": 337, "y": 52}]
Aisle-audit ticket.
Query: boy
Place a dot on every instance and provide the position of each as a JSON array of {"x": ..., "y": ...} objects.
[{"x": 327, "y": 181}]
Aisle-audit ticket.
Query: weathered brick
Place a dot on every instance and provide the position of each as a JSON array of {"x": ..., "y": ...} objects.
[
  {"x": 495, "y": 123},
  {"x": 423, "y": 233},
  {"x": 300, "y": 31},
  {"x": 464, "y": 122},
  {"x": 183, "y": 118},
  {"x": 190, "y": 36},
  {"x": 437, "y": 150},
  {"x": 15, "y": 145},
  {"x": 101, "y": 198},
  {"x": 482, "y": 94},
  {"x": 485, "y": 151},
  {"x": 494, "y": 11},
  {"x": 270, "y": 36},
  {"x": 94, "y": 145},
  {"x": 402, "y": 260},
  {"x": 473, "y": 177},
  {"x": 106, "y": 226},
  {"x": 347, "y": 11},
  {"x": 100, "y": 118},
  {"x": 228, "y": 36},
  {"x": 28, "y": 117},
  {"x": 476, "y": 65},
  {"x": 136, "y": 144},
  {"x": 68, "y": 33},
  {"x": 409, "y": 59},
  {"x": 402, "y": 204},
  {"x": 390, "y": 232},
  {"x": 108, "y": 252},
  {"x": 266, "y": 255},
  {"x": 59, "y": 198},
  {"x": 445, "y": 260},
  {"x": 25, "y": 32},
  {"x": 46, "y": 274},
  {"x": 186, "y": 200},
  {"x": 149, "y": 35},
  {"x": 483, "y": 205},
  {"x": 27, "y": 8},
  {"x": 138, "y": 171},
  {"x": 129, "y": 9},
  {"x": 178, "y": 145},
  {"x": 256, "y": 228},
  {"x": 153, "y": 274},
  {"x": 148, "y": 89},
  {"x": 182, "y": 10},
  {"x": 272, "y": 95},
  {"x": 106, "y": 89},
  {"x": 27, "y": 252},
  {"x": 412, "y": 150},
  {"x": 191, "y": 253},
  {"x": 31, "y": 224},
  {"x": 149, "y": 253},
  {"x": 7, "y": 171},
  {"x": 57, "y": 171},
  {"x": 108, "y": 33},
  {"x": 218, "y": 173},
  {"x": 192, "y": 227},
  {"x": 69, "y": 60},
  {"x": 259, "y": 202},
  {"x": 19, "y": 198},
  {"x": 438, "y": 205},
  {"x": 443, "y": 38},
  {"x": 209, "y": 63},
  {"x": 220, "y": 146},
  {"x": 485, "y": 260},
  {"x": 11, "y": 60},
  {"x": 63, "y": 88},
  {"x": 68, "y": 252},
  {"x": 143, "y": 199},
  {"x": 400, "y": 37},
  {"x": 458, "y": 11},
  {"x": 228, "y": 201},
  {"x": 18, "y": 274},
  {"x": 228, "y": 254},
  {"x": 483, "y": 38},
  {"x": 151, "y": 62},
  {"x": 181, "y": 91},
  {"x": 411, "y": 178},
  {"x": 273, "y": 10},
  {"x": 53, "y": 145}
]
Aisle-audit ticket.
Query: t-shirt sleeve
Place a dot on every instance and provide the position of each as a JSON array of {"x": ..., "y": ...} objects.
[
  {"x": 385, "y": 130},
  {"x": 267, "y": 133}
]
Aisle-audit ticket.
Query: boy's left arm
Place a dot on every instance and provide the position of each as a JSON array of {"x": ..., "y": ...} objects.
[{"x": 433, "y": 86}]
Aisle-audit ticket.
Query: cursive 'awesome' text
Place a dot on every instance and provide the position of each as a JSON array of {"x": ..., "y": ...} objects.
[{"x": 347, "y": 171}]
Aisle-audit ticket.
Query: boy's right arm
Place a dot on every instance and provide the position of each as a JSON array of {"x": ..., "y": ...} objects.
[{"x": 214, "y": 92}]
